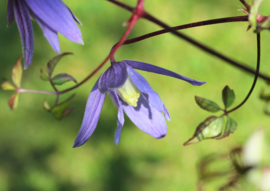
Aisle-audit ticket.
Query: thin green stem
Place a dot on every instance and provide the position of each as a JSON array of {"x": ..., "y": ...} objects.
[
  {"x": 256, "y": 76},
  {"x": 36, "y": 92}
]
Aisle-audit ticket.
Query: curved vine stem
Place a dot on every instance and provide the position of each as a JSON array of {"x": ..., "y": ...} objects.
[
  {"x": 191, "y": 41},
  {"x": 186, "y": 26},
  {"x": 256, "y": 76}
]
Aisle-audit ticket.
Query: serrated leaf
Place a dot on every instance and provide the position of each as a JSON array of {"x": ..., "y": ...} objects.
[
  {"x": 231, "y": 126},
  {"x": 6, "y": 85},
  {"x": 43, "y": 75},
  {"x": 62, "y": 78},
  {"x": 46, "y": 105},
  {"x": 17, "y": 72},
  {"x": 60, "y": 110},
  {"x": 208, "y": 129},
  {"x": 207, "y": 105},
  {"x": 254, "y": 9},
  {"x": 54, "y": 61},
  {"x": 13, "y": 101},
  {"x": 228, "y": 97}
]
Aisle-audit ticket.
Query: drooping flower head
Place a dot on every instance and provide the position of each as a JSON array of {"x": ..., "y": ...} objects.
[
  {"x": 131, "y": 93},
  {"x": 53, "y": 16}
]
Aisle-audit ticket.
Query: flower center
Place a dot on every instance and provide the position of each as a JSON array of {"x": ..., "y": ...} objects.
[{"x": 129, "y": 92}]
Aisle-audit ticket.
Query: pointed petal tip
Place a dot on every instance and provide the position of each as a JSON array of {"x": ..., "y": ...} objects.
[
  {"x": 78, "y": 143},
  {"x": 81, "y": 41},
  {"x": 162, "y": 136},
  {"x": 26, "y": 66},
  {"x": 78, "y": 40},
  {"x": 27, "y": 63},
  {"x": 198, "y": 83}
]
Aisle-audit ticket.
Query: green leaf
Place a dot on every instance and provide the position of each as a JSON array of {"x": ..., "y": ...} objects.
[
  {"x": 43, "y": 75},
  {"x": 59, "y": 111},
  {"x": 254, "y": 9},
  {"x": 17, "y": 72},
  {"x": 207, "y": 105},
  {"x": 54, "y": 61},
  {"x": 209, "y": 129},
  {"x": 6, "y": 85},
  {"x": 46, "y": 105},
  {"x": 13, "y": 101},
  {"x": 62, "y": 78},
  {"x": 231, "y": 126},
  {"x": 228, "y": 97}
]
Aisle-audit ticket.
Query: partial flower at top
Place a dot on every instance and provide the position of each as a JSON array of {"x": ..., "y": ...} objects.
[
  {"x": 131, "y": 93},
  {"x": 53, "y": 16}
]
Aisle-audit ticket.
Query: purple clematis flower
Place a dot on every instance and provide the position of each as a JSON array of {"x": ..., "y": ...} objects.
[
  {"x": 53, "y": 16},
  {"x": 131, "y": 93}
]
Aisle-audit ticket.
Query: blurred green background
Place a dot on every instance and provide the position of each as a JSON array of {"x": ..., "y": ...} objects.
[{"x": 36, "y": 149}]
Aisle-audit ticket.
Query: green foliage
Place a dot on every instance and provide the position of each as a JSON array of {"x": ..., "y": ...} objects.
[
  {"x": 54, "y": 61},
  {"x": 13, "y": 101},
  {"x": 43, "y": 75},
  {"x": 228, "y": 97},
  {"x": 61, "y": 110},
  {"x": 209, "y": 129},
  {"x": 213, "y": 126},
  {"x": 231, "y": 126},
  {"x": 6, "y": 85},
  {"x": 207, "y": 105},
  {"x": 62, "y": 78},
  {"x": 17, "y": 72}
]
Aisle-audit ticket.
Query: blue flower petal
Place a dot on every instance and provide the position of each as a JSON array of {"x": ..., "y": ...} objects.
[
  {"x": 91, "y": 116},
  {"x": 23, "y": 20},
  {"x": 166, "y": 113},
  {"x": 57, "y": 16},
  {"x": 51, "y": 35},
  {"x": 10, "y": 12},
  {"x": 120, "y": 116},
  {"x": 146, "y": 118},
  {"x": 158, "y": 70},
  {"x": 74, "y": 17},
  {"x": 141, "y": 83},
  {"x": 114, "y": 77}
]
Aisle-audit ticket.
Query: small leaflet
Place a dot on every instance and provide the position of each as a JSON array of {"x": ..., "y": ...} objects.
[
  {"x": 13, "y": 101},
  {"x": 54, "y": 61},
  {"x": 6, "y": 85},
  {"x": 231, "y": 126},
  {"x": 228, "y": 97},
  {"x": 62, "y": 78},
  {"x": 60, "y": 110},
  {"x": 209, "y": 129},
  {"x": 43, "y": 75},
  {"x": 17, "y": 72},
  {"x": 207, "y": 105}
]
